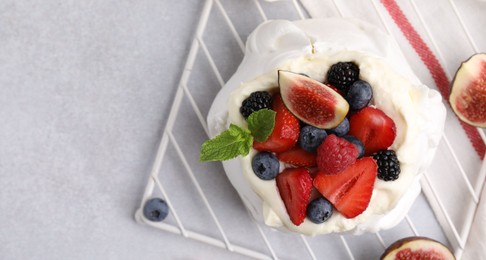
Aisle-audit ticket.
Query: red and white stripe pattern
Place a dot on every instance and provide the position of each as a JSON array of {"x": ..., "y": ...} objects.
[{"x": 435, "y": 68}]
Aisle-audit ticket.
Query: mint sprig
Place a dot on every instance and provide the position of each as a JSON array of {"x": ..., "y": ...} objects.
[
  {"x": 237, "y": 140},
  {"x": 261, "y": 124},
  {"x": 229, "y": 144}
]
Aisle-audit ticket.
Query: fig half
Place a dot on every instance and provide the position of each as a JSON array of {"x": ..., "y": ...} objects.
[
  {"x": 311, "y": 101},
  {"x": 417, "y": 248},
  {"x": 468, "y": 91}
]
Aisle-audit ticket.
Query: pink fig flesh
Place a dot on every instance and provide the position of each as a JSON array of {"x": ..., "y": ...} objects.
[
  {"x": 417, "y": 248},
  {"x": 311, "y": 101},
  {"x": 468, "y": 91}
]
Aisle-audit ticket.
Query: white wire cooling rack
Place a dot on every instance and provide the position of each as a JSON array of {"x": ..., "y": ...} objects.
[{"x": 204, "y": 206}]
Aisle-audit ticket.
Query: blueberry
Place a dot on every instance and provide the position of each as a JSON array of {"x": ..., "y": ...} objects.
[
  {"x": 319, "y": 210},
  {"x": 359, "y": 95},
  {"x": 155, "y": 209},
  {"x": 341, "y": 129},
  {"x": 357, "y": 143},
  {"x": 311, "y": 137},
  {"x": 265, "y": 165}
]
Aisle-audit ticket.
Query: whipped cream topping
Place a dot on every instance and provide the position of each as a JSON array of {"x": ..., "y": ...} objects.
[{"x": 311, "y": 47}]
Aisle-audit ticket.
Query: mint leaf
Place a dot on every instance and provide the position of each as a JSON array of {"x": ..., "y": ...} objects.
[
  {"x": 227, "y": 145},
  {"x": 261, "y": 124},
  {"x": 238, "y": 141}
]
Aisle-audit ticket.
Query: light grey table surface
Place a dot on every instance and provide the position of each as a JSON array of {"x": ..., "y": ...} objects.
[
  {"x": 86, "y": 88},
  {"x": 85, "y": 91}
]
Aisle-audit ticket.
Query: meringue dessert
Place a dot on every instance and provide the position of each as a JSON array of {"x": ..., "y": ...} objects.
[{"x": 336, "y": 128}]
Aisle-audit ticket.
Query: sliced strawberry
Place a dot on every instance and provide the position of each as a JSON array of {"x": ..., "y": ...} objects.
[
  {"x": 285, "y": 132},
  {"x": 298, "y": 157},
  {"x": 335, "y": 154},
  {"x": 373, "y": 128},
  {"x": 349, "y": 191},
  {"x": 294, "y": 186}
]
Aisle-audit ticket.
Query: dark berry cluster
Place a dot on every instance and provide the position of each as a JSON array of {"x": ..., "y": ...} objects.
[
  {"x": 388, "y": 165},
  {"x": 342, "y": 74},
  {"x": 256, "y": 101}
]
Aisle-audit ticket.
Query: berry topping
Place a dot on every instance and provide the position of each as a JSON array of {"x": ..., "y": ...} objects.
[
  {"x": 341, "y": 129},
  {"x": 256, "y": 101},
  {"x": 294, "y": 186},
  {"x": 265, "y": 165},
  {"x": 373, "y": 128},
  {"x": 335, "y": 154},
  {"x": 311, "y": 137},
  {"x": 357, "y": 143},
  {"x": 349, "y": 191},
  {"x": 342, "y": 75},
  {"x": 388, "y": 165},
  {"x": 359, "y": 95},
  {"x": 319, "y": 210},
  {"x": 155, "y": 209},
  {"x": 285, "y": 132},
  {"x": 298, "y": 157}
]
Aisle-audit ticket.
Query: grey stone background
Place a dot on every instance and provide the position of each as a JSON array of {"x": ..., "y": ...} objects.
[{"x": 85, "y": 90}]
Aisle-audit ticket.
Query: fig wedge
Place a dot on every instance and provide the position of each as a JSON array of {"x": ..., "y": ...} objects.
[
  {"x": 311, "y": 101},
  {"x": 468, "y": 91},
  {"x": 417, "y": 248}
]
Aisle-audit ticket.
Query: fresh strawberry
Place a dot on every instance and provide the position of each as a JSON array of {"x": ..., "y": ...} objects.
[
  {"x": 298, "y": 157},
  {"x": 373, "y": 128},
  {"x": 349, "y": 191},
  {"x": 294, "y": 186},
  {"x": 335, "y": 154},
  {"x": 285, "y": 132}
]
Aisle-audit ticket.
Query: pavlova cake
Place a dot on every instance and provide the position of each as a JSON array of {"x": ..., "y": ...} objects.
[{"x": 324, "y": 128}]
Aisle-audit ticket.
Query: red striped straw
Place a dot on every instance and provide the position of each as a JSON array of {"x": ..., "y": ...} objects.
[{"x": 433, "y": 65}]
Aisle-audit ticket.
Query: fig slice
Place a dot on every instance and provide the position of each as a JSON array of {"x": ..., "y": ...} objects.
[
  {"x": 311, "y": 101},
  {"x": 468, "y": 91},
  {"x": 417, "y": 248}
]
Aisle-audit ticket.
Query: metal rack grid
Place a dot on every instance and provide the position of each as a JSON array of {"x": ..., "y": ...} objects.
[{"x": 175, "y": 179}]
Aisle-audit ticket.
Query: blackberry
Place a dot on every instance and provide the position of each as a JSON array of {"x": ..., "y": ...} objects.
[
  {"x": 342, "y": 74},
  {"x": 256, "y": 101},
  {"x": 388, "y": 165}
]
